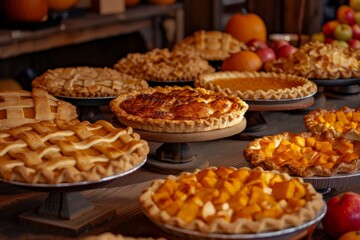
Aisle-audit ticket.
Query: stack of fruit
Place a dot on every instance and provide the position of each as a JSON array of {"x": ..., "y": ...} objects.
[{"x": 345, "y": 29}]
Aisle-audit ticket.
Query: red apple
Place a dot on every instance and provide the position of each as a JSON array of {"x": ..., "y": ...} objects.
[
  {"x": 343, "y": 32},
  {"x": 345, "y": 14},
  {"x": 286, "y": 51},
  {"x": 317, "y": 37},
  {"x": 355, "y": 4},
  {"x": 329, "y": 40},
  {"x": 355, "y": 31},
  {"x": 354, "y": 43},
  {"x": 256, "y": 44},
  {"x": 277, "y": 44},
  {"x": 329, "y": 27},
  {"x": 342, "y": 215},
  {"x": 266, "y": 54}
]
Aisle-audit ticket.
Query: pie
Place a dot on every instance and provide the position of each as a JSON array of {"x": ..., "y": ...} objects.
[
  {"x": 87, "y": 82},
  {"x": 163, "y": 65},
  {"x": 258, "y": 85},
  {"x": 178, "y": 109},
  {"x": 210, "y": 45},
  {"x": 54, "y": 152},
  {"x": 111, "y": 236},
  {"x": 305, "y": 154},
  {"x": 19, "y": 107},
  {"x": 231, "y": 201},
  {"x": 344, "y": 121},
  {"x": 318, "y": 60}
]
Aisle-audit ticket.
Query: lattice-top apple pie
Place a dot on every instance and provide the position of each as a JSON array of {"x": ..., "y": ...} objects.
[
  {"x": 54, "y": 152},
  {"x": 87, "y": 82},
  {"x": 178, "y": 109},
  {"x": 210, "y": 45},
  {"x": 20, "y": 107},
  {"x": 258, "y": 85},
  {"x": 231, "y": 200}
]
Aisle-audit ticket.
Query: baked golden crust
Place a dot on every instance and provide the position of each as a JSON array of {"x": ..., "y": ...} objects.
[
  {"x": 162, "y": 65},
  {"x": 317, "y": 60},
  {"x": 210, "y": 45},
  {"x": 54, "y": 152},
  {"x": 21, "y": 107},
  {"x": 178, "y": 109},
  {"x": 230, "y": 200},
  {"x": 258, "y": 85},
  {"x": 111, "y": 236},
  {"x": 87, "y": 82},
  {"x": 304, "y": 154}
]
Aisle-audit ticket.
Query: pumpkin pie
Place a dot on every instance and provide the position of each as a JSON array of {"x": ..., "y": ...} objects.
[
  {"x": 318, "y": 60},
  {"x": 210, "y": 45},
  {"x": 258, "y": 85},
  {"x": 54, "y": 152},
  {"x": 231, "y": 201},
  {"x": 20, "y": 107},
  {"x": 305, "y": 154},
  {"x": 178, "y": 109},
  {"x": 163, "y": 65},
  {"x": 87, "y": 82}
]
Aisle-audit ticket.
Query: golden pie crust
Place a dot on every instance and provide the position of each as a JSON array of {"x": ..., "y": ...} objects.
[
  {"x": 178, "y": 109},
  {"x": 258, "y": 85},
  {"x": 317, "y": 60},
  {"x": 231, "y": 201},
  {"x": 111, "y": 236},
  {"x": 53, "y": 152},
  {"x": 21, "y": 107},
  {"x": 344, "y": 121},
  {"x": 210, "y": 45},
  {"x": 87, "y": 82},
  {"x": 163, "y": 65},
  {"x": 305, "y": 154}
]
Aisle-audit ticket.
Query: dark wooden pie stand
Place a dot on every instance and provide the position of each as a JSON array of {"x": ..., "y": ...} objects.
[{"x": 339, "y": 88}]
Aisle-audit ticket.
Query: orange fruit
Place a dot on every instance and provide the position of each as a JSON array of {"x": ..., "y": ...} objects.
[{"x": 242, "y": 61}]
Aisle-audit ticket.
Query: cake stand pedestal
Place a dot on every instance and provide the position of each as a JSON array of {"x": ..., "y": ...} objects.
[
  {"x": 175, "y": 156},
  {"x": 340, "y": 88}
]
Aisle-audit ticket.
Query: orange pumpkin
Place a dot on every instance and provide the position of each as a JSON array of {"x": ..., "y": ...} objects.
[
  {"x": 26, "y": 10},
  {"x": 61, "y": 5},
  {"x": 246, "y": 26},
  {"x": 353, "y": 235},
  {"x": 242, "y": 61}
]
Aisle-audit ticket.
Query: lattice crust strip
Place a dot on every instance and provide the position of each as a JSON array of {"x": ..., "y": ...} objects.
[{"x": 58, "y": 152}]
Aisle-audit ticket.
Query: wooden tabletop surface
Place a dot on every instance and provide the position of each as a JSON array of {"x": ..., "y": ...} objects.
[{"x": 122, "y": 194}]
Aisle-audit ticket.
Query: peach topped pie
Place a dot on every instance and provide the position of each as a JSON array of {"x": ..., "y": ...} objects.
[
  {"x": 210, "y": 45},
  {"x": 317, "y": 60},
  {"x": 178, "y": 109},
  {"x": 258, "y": 85},
  {"x": 86, "y": 82},
  {"x": 305, "y": 154},
  {"x": 54, "y": 152},
  {"x": 20, "y": 107},
  {"x": 231, "y": 200}
]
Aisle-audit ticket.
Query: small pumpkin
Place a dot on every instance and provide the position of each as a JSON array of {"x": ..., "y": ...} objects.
[
  {"x": 353, "y": 235},
  {"x": 246, "y": 26},
  {"x": 242, "y": 61},
  {"x": 26, "y": 10},
  {"x": 61, "y": 5}
]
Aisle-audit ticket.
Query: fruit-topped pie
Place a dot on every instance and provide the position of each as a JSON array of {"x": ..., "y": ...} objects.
[
  {"x": 305, "y": 154},
  {"x": 54, "y": 152},
  {"x": 231, "y": 201},
  {"x": 344, "y": 121},
  {"x": 87, "y": 82},
  {"x": 162, "y": 65},
  {"x": 318, "y": 60},
  {"x": 20, "y": 107},
  {"x": 258, "y": 86},
  {"x": 178, "y": 109},
  {"x": 210, "y": 45}
]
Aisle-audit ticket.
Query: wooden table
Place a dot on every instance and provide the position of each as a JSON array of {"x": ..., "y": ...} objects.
[{"x": 122, "y": 194}]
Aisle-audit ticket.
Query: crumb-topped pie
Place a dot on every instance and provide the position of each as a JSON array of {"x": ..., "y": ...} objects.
[
  {"x": 210, "y": 45},
  {"x": 258, "y": 85},
  {"x": 20, "y": 107},
  {"x": 178, "y": 109},
  {"x": 317, "y": 60},
  {"x": 305, "y": 154},
  {"x": 162, "y": 65},
  {"x": 344, "y": 121},
  {"x": 87, "y": 82},
  {"x": 54, "y": 152},
  {"x": 231, "y": 200},
  {"x": 111, "y": 236}
]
